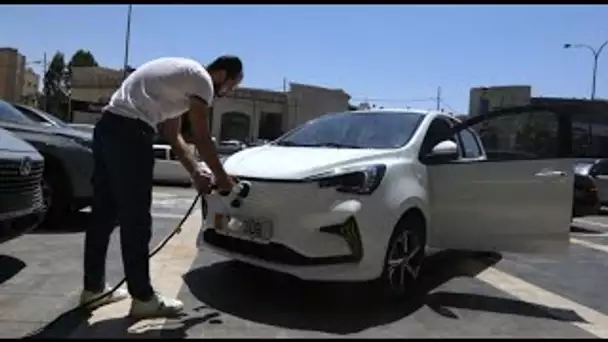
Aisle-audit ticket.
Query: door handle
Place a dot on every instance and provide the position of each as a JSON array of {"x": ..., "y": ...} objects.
[{"x": 550, "y": 174}]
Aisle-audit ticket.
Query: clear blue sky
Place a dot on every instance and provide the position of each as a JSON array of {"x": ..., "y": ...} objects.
[{"x": 398, "y": 54}]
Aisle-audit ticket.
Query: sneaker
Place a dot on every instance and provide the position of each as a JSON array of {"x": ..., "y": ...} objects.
[
  {"x": 157, "y": 306},
  {"x": 116, "y": 296}
]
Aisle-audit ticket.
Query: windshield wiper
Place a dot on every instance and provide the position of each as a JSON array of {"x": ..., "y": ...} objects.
[{"x": 337, "y": 145}]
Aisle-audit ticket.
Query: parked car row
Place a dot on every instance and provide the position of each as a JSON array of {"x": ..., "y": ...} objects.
[
  {"x": 22, "y": 206},
  {"x": 68, "y": 160}
]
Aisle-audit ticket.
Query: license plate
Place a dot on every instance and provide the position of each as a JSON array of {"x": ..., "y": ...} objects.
[{"x": 256, "y": 229}]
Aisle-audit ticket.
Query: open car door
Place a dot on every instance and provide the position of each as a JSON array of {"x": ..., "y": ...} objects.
[{"x": 519, "y": 203}]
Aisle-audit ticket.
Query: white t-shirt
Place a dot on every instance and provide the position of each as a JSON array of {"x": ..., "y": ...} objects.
[{"x": 160, "y": 90}]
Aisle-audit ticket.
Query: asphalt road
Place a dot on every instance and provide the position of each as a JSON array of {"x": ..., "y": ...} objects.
[{"x": 464, "y": 295}]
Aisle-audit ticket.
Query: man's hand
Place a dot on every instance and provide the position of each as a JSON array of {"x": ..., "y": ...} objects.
[
  {"x": 224, "y": 184},
  {"x": 202, "y": 182}
]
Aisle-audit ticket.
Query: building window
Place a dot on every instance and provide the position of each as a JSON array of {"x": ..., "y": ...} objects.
[{"x": 235, "y": 126}]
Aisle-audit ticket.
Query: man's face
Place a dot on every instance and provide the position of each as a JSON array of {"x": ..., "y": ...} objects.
[{"x": 221, "y": 88}]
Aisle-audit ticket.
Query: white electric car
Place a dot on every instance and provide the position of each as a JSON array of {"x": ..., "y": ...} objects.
[{"x": 363, "y": 195}]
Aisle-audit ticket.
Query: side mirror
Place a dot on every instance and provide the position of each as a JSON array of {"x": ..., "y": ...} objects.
[{"x": 446, "y": 150}]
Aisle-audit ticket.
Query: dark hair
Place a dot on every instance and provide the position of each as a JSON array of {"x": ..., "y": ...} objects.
[{"x": 232, "y": 65}]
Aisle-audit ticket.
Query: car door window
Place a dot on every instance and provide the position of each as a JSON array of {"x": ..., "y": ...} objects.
[
  {"x": 600, "y": 168},
  {"x": 439, "y": 130},
  {"x": 470, "y": 146}
]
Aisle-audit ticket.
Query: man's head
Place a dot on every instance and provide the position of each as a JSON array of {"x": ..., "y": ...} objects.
[{"x": 226, "y": 72}]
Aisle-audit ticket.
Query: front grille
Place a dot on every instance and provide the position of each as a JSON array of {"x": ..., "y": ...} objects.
[
  {"x": 18, "y": 204},
  {"x": 11, "y": 182},
  {"x": 272, "y": 252}
]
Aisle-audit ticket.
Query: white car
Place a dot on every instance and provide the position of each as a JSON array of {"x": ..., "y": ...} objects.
[
  {"x": 167, "y": 168},
  {"x": 364, "y": 195}
]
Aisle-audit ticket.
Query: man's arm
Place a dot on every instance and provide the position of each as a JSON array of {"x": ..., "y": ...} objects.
[
  {"x": 199, "y": 127},
  {"x": 171, "y": 130}
]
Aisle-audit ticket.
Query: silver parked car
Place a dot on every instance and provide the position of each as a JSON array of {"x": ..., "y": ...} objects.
[
  {"x": 598, "y": 170},
  {"x": 21, "y": 202}
]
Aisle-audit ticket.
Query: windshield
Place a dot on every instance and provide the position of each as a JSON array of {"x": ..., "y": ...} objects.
[
  {"x": 39, "y": 116},
  {"x": 376, "y": 130},
  {"x": 9, "y": 113}
]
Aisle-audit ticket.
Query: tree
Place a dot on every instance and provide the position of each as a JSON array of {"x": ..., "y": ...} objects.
[
  {"x": 54, "y": 86},
  {"x": 81, "y": 58}
]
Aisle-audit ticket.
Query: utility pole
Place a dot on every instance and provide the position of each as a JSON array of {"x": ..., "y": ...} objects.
[
  {"x": 127, "y": 43},
  {"x": 44, "y": 90},
  {"x": 438, "y": 98}
]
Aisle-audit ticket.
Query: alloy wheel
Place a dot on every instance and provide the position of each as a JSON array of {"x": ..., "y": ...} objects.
[{"x": 402, "y": 263}]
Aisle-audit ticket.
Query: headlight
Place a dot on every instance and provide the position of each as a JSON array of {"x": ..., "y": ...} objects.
[{"x": 361, "y": 180}]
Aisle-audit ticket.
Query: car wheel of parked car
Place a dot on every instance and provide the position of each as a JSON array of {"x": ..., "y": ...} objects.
[
  {"x": 56, "y": 194},
  {"x": 47, "y": 194},
  {"x": 404, "y": 256}
]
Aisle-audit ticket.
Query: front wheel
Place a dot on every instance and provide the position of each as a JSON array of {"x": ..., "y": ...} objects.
[
  {"x": 404, "y": 257},
  {"x": 56, "y": 199}
]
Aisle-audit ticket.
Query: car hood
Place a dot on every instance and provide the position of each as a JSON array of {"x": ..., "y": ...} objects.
[
  {"x": 72, "y": 133},
  {"x": 39, "y": 129},
  {"x": 9, "y": 142},
  {"x": 282, "y": 162}
]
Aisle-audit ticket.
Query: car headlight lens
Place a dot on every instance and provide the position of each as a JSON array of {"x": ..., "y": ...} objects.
[{"x": 362, "y": 180}]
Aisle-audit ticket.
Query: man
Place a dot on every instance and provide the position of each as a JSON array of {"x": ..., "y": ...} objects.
[{"x": 152, "y": 99}]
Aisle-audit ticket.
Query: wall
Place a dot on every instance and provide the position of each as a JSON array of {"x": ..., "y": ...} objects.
[
  {"x": 307, "y": 102},
  {"x": 95, "y": 84},
  {"x": 31, "y": 85},
  {"x": 12, "y": 73},
  {"x": 499, "y": 96}
]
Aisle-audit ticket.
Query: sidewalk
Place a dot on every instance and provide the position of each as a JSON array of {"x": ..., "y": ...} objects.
[{"x": 166, "y": 268}]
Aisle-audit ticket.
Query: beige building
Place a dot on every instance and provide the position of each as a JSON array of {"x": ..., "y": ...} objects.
[
  {"x": 31, "y": 84},
  {"x": 245, "y": 114},
  {"x": 12, "y": 74}
]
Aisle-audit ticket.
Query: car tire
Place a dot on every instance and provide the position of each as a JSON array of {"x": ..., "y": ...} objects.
[
  {"x": 404, "y": 257},
  {"x": 56, "y": 193}
]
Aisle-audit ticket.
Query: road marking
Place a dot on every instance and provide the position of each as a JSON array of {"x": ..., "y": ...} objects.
[
  {"x": 594, "y": 323},
  {"x": 591, "y": 245},
  {"x": 590, "y": 235},
  {"x": 590, "y": 223},
  {"x": 157, "y": 215},
  {"x": 156, "y": 194},
  {"x": 166, "y": 269}
]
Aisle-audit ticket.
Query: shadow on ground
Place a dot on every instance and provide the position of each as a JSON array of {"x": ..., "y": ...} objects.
[
  {"x": 274, "y": 299},
  {"x": 9, "y": 267},
  {"x": 282, "y": 301},
  {"x": 74, "y": 223}
]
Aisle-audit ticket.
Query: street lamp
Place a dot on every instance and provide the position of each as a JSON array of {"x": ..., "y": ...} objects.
[
  {"x": 127, "y": 42},
  {"x": 596, "y": 56}
]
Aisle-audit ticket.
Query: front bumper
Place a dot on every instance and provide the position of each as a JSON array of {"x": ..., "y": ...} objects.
[
  {"x": 318, "y": 234},
  {"x": 16, "y": 223},
  {"x": 585, "y": 203}
]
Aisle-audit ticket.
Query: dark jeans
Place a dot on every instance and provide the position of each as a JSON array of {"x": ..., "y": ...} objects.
[{"x": 122, "y": 185}]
